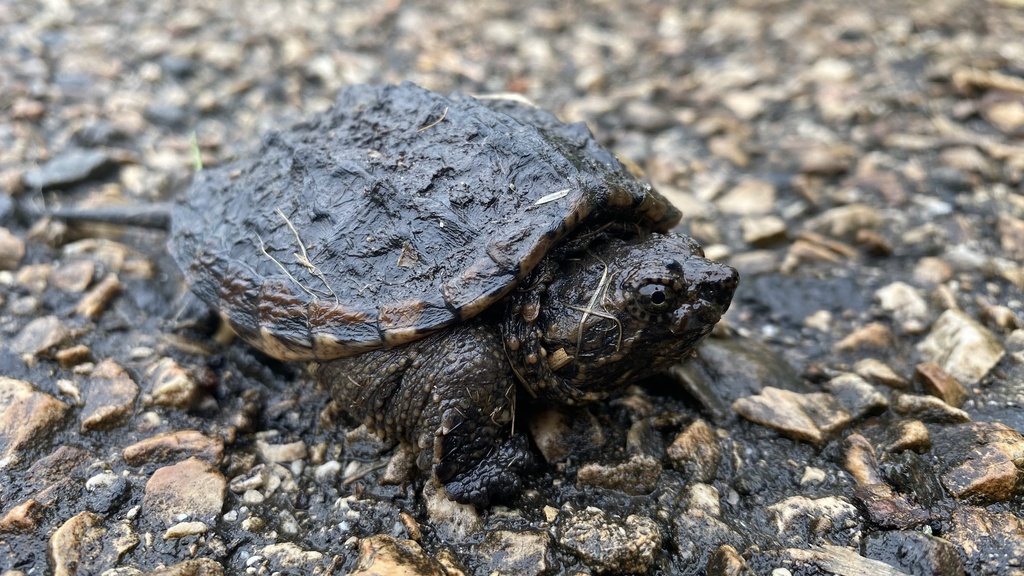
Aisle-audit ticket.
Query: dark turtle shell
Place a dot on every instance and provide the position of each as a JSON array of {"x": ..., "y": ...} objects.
[{"x": 394, "y": 214}]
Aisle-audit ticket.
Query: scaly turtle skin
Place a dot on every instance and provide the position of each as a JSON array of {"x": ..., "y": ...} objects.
[{"x": 429, "y": 253}]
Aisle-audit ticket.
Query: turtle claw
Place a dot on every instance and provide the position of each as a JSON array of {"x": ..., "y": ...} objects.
[{"x": 493, "y": 478}]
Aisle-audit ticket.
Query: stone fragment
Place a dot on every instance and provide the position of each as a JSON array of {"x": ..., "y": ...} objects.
[
  {"x": 845, "y": 221},
  {"x": 763, "y": 231},
  {"x": 39, "y": 337},
  {"x": 188, "y": 489},
  {"x": 73, "y": 356},
  {"x": 982, "y": 461},
  {"x": 28, "y": 418},
  {"x": 194, "y": 567},
  {"x": 812, "y": 417},
  {"x": 962, "y": 347},
  {"x": 638, "y": 475},
  {"x": 95, "y": 301},
  {"x": 879, "y": 372},
  {"x": 856, "y": 396},
  {"x": 914, "y": 552},
  {"x": 989, "y": 542},
  {"x": 564, "y": 430},
  {"x": 289, "y": 452},
  {"x": 727, "y": 561},
  {"x": 454, "y": 521},
  {"x": 109, "y": 397},
  {"x": 887, "y": 508},
  {"x": 695, "y": 452},
  {"x": 12, "y": 250},
  {"x": 171, "y": 385},
  {"x": 748, "y": 198},
  {"x": 73, "y": 277},
  {"x": 1011, "y": 236},
  {"x": 1002, "y": 317},
  {"x": 608, "y": 544},
  {"x": 810, "y": 248},
  {"x": 69, "y": 167},
  {"x": 21, "y": 518},
  {"x": 873, "y": 336},
  {"x": 932, "y": 271},
  {"x": 512, "y": 552},
  {"x": 906, "y": 305},
  {"x": 1005, "y": 114},
  {"x": 382, "y": 554},
  {"x": 927, "y": 409},
  {"x": 906, "y": 435},
  {"x": 76, "y": 546},
  {"x": 940, "y": 383},
  {"x": 174, "y": 447},
  {"x": 185, "y": 529},
  {"x": 829, "y": 559},
  {"x": 288, "y": 557},
  {"x": 34, "y": 277},
  {"x": 800, "y": 520},
  {"x": 826, "y": 160},
  {"x": 860, "y": 460},
  {"x": 695, "y": 529}
]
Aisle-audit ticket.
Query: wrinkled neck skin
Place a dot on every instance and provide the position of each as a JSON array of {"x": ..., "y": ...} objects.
[{"x": 591, "y": 320}]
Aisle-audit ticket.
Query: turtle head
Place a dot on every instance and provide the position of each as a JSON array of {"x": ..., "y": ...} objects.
[{"x": 592, "y": 321}]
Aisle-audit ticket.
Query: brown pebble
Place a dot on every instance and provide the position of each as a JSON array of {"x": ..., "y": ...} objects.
[
  {"x": 383, "y": 554},
  {"x": 40, "y": 336},
  {"x": 96, "y": 300},
  {"x": 12, "y": 250},
  {"x": 940, "y": 383},
  {"x": 175, "y": 446},
  {"x": 73, "y": 355},
  {"x": 696, "y": 452},
  {"x": 860, "y": 460},
  {"x": 73, "y": 277},
  {"x": 874, "y": 336},
  {"x": 109, "y": 397}
]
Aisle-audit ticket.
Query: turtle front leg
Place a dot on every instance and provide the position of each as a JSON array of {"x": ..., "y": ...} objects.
[{"x": 451, "y": 395}]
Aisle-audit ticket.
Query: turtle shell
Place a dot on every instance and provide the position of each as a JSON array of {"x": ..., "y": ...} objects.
[{"x": 394, "y": 214}]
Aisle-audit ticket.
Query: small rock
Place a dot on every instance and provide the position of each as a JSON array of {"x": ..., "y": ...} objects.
[
  {"x": 1005, "y": 114},
  {"x": 383, "y": 554},
  {"x": 453, "y": 521},
  {"x": 906, "y": 305},
  {"x": 727, "y": 561},
  {"x": 638, "y": 475},
  {"x": 763, "y": 231},
  {"x": 608, "y": 544},
  {"x": 962, "y": 347},
  {"x": 174, "y": 447},
  {"x": 932, "y": 271},
  {"x": 812, "y": 417},
  {"x": 826, "y": 160},
  {"x": 856, "y": 396},
  {"x": 40, "y": 336},
  {"x": 748, "y": 198},
  {"x": 939, "y": 383},
  {"x": 28, "y": 418},
  {"x": 927, "y": 409},
  {"x": 288, "y": 557},
  {"x": 195, "y": 567},
  {"x": 989, "y": 542},
  {"x": 561, "y": 431},
  {"x": 845, "y": 221},
  {"x": 800, "y": 520},
  {"x": 981, "y": 461},
  {"x": 810, "y": 248},
  {"x": 906, "y": 435},
  {"x": 34, "y": 277},
  {"x": 73, "y": 356},
  {"x": 190, "y": 489},
  {"x": 21, "y": 518},
  {"x": 109, "y": 396},
  {"x": 171, "y": 385},
  {"x": 1002, "y": 318},
  {"x": 879, "y": 372},
  {"x": 887, "y": 508},
  {"x": 95, "y": 301},
  {"x": 860, "y": 460},
  {"x": 1011, "y": 236},
  {"x": 646, "y": 117},
  {"x": 73, "y": 277},
  {"x": 70, "y": 167},
  {"x": 871, "y": 336},
  {"x": 695, "y": 529},
  {"x": 914, "y": 552},
  {"x": 185, "y": 529},
  {"x": 12, "y": 250},
  {"x": 282, "y": 452},
  {"x": 76, "y": 547},
  {"x": 829, "y": 559},
  {"x": 509, "y": 552},
  {"x": 695, "y": 452}
]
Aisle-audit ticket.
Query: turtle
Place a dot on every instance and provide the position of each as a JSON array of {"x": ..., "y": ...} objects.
[{"x": 433, "y": 258}]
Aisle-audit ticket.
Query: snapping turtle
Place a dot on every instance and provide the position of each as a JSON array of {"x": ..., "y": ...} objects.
[{"x": 431, "y": 254}]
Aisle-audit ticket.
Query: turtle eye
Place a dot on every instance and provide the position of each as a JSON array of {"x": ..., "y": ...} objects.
[{"x": 656, "y": 298}]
